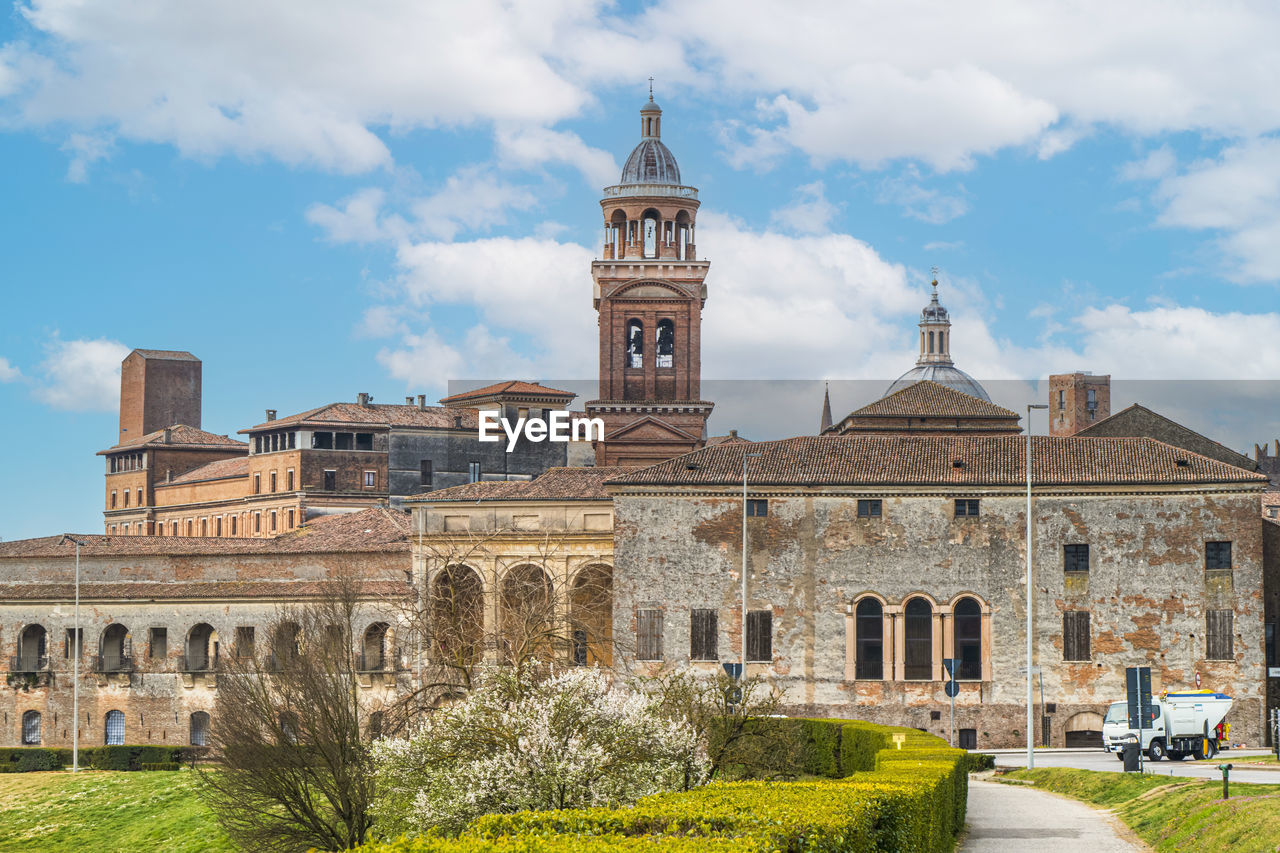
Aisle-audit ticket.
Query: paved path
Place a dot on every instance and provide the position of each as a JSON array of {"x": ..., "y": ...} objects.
[
  {"x": 1017, "y": 817},
  {"x": 1096, "y": 759}
]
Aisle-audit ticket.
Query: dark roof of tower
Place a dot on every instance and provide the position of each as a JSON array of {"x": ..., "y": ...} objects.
[
  {"x": 943, "y": 374},
  {"x": 651, "y": 162}
]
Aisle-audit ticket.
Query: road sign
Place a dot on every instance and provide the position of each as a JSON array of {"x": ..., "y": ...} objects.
[
  {"x": 733, "y": 670},
  {"x": 1137, "y": 680},
  {"x": 951, "y": 665},
  {"x": 952, "y": 688},
  {"x": 899, "y": 740}
]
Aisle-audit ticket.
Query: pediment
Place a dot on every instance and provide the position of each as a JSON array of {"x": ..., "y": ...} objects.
[
  {"x": 651, "y": 429},
  {"x": 649, "y": 289}
]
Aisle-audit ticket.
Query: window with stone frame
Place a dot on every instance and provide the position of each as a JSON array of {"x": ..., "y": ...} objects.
[
  {"x": 244, "y": 641},
  {"x": 113, "y": 725},
  {"x": 966, "y": 507},
  {"x": 1075, "y": 635},
  {"x": 757, "y": 507},
  {"x": 1218, "y": 643},
  {"x": 704, "y": 634},
  {"x": 918, "y": 640},
  {"x": 158, "y": 643},
  {"x": 1217, "y": 556},
  {"x": 869, "y": 508},
  {"x": 1075, "y": 558},
  {"x": 967, "y": 639},
  {"x": 649, "y": 634},
  {"x": 868, "y": 626},
  {"x": 31, "y": 728},
  {"x": 760, "y": 636}
]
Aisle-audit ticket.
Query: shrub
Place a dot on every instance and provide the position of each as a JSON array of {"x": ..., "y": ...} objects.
[
  {"x": 37, "y": 759},
  {"x": 160, "y": 765}
]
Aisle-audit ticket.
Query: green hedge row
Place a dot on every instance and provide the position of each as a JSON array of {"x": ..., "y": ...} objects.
[
  {"x": 872, "y": 794},
  {"x": 128, "y": 757}
]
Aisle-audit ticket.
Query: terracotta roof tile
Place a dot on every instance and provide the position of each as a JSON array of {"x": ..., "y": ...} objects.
[
  {"x": 514, "y": 388},
  {"x": 731, "y": 438},
  {"x": 181, "y": 435},
  {"x": 220, "y": 469},
  {"x": 555, "y": 484},
  {"x": 169, "y": 354},
  {"x": 930, "y": 399},
  {"x": 930, "y": 460},
  {"x": 374, "y": 415},
  {"x": 187, "y": 589}
]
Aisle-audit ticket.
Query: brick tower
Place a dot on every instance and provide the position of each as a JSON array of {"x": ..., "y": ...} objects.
[
  {"x": 649, "y": 292},
  {"x": 1077, "y": 400}
]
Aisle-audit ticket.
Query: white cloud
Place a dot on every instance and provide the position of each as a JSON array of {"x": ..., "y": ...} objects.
[
  {"x": 85, "y": 149},
  {"x": 9, "y": 373},
  {"x": 357, "y": 220},
  {"x": 473, "y": 199},
  {"x": 529, "y": 147},
  {"x": 82, "y": 375},
  {"x": 918, "y": 201},
  {"x": 1157, "y": 164},
  {"x": 809, "y": 213},
  {"x": 943, "y": 245}
]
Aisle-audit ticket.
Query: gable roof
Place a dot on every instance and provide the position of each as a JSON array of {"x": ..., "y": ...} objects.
[
  {"x": 1138, "y": 420},
  {"x": 930, "y": 399},
  {"x": 512, "y": 388},
  {"x": 374, "y": 415},
  {"x": 930, "y": 460},
  {"x": 181, "y": 436},
  {"x": 220, "y": 469},
  {"x": 554, "y": 484}
]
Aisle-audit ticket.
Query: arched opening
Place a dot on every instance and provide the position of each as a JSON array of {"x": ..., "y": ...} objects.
[
  {"x": 615, "y": 232},
  {"x": 635, "y": 343},
  {"x": 591, "y": 617},
  {"x": 967, "y": 639},
  {"x": 114, "y": 649},
  {"x": 869, "y": 649},
  {"x": 33, "y": 653},
  {"x": 666, "y": 340},
  {"x": 931, "y": 343},
  {"x": 202, "y": 649},
  {"x": 199, "y": 725},
  {"x": 650, "y": 222},
  {"x": 373, "y": 649},
  {"x": 457, "y": 617},
  {"x": 918, "y": 633},
  {"x": 288, "y": 728},
  {"x": 31, "y": 728},
  {"x": 114, "y": 728},
  {"x": 375, "y": 725},
  {"x": 1084, "y": 729},
  {"x": 528, "y": 623},
  {"x": 683, "y": 235}
]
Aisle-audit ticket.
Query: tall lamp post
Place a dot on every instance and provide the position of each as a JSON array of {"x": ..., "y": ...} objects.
[
  {"x": 745, "y": 457},
  {"x": 75, "y": 667},
  {"x": 1030, "y": 708}
]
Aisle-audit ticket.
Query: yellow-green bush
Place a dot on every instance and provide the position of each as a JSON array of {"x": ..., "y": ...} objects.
[{"x": 879, "y": 797}]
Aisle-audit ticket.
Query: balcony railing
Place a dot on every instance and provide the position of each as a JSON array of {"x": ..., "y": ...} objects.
[
  {"x": 28, "y": 663},
  {"x": 381, "y": 662},
  {"x": 113, "y": 663},
  {"x": 667, "y": 190}
]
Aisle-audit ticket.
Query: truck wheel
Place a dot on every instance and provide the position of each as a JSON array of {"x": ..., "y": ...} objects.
[
  {"x": 1120, "y": 754},
  {"x": 1200, "y": 750},
  {"x": 1156, "y": 751},
  {"x": 1212, "y": 749}
]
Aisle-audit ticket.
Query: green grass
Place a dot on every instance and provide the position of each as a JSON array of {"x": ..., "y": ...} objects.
[
  {"x": 1173, "y": 813},
  {"x": 105, "y": 812}
]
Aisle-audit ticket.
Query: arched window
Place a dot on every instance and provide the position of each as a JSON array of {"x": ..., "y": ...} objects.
[
  {"x": 869, "y": 625},
  {"x": 202, "y": 648},
  {"x": 32, "y": 649},
  {"x": 457, "y": 616},
  {"x": 635, "y": 344},
  {"x": 114, "y": 728},
  {"x": 968, "y": 639},
  {"x": 918, "y": 660},
  {"x": 649, "y": 225},
  {"x": 31, "y": 728},
  {"x": 931, "y": 343},
  {"x": 115, "y": 649},
  {"x": 666, "y": 343},
  {"x": 200, "y": 728},
  {"x": 591, "y": 616},
  {"x": 373, "y": 656},
  {"x": 375, "y": 725},
  {"x": 527, "y": 617},
  {"x": 288, "y": 728}
]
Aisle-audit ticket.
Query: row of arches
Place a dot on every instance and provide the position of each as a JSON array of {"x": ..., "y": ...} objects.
[
  {"x": 650, "y": 236},
  {"x": 113, "y": 731},
  {"x": 908, "y": 642},
  {"x": 664, "y": 343}
]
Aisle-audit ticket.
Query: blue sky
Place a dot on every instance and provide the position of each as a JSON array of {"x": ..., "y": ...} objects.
[{"x": 319, "y": 199}]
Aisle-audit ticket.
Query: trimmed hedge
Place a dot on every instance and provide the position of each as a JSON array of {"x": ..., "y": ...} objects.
[
  {"x": 874, "y": 796},
  {"x": 127, "y": 757}
]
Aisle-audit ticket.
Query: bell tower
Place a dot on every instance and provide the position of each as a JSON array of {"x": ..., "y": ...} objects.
[{"x": 649, "y": 289}]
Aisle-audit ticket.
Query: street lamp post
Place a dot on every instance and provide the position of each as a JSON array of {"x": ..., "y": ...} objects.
[
  {"x": 75, "y": 668},
  {"x": 745, "y": 457},
  {"x": 1030, "y": 708}
]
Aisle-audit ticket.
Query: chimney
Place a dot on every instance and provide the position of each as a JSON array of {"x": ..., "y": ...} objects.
[
  {"x": 408, "y": 401},
  {"x": 733, "y": 433},
  {"x": 271, "y": 414},
  {"x": 363, "y": 398},
  {"x": 422, "y": 401},
  {"x": 168, "y": 435}
]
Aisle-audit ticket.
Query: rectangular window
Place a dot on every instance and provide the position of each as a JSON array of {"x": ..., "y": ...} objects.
[
  {"x": 1270, "y": 639},
  {"x": 370, "y": 479},
  {"x": 322, "y": 440},
  {"x": 290, "y": 519},
  {"x": 424, "y": 475},
  {"x": 257, "y": 522},
  {"x": 257, "y": 484},
  {"x": 703, "y": 635},
  {"x": 140, "y": 501},
  {"x": 217, "y": 526},
  {"x": 244, "y": 641},
  {"x": 233, "y": 526},
  {"x": 1062, "y": 400},
  {"x": 1217, "y": 555},
  {"x": 293, "y": 440},
  {"x": 473, "y": 472},
  {"x": 126, "y": 497},
  {"x": 648, "y": 635},
  {"x": 343, "y": 440},
  {"x": 158, "y": 643},
  {"x": 967, "y": 739},
  {"x": 68, "y": 643},
  {"x": 966, "y": 507},
  {"x": 113, "y": 500},
  {"x": 760, "y": 636},
  {"x": 364, "y": 441},
  {"x": 757, "y": 507},
  {"x": 1075, "y": 635},
  {"x": 869, "y": 508},
  {"x": 288, "y": 479},
  {"x": 273, "y": 481},
  {"x": 273, "y": 521},
  {"x": 330, "y": 481},
  {"x": 1218, "y": 637},
  {"x": 1075, "y": 558}
]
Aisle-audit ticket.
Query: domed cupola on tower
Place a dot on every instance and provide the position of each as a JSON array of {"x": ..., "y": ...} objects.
[
  {"x": 934, "y": 363},
  {"x": 651, "y": 162}
]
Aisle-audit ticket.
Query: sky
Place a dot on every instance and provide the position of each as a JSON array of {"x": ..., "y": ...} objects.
[{"x": 322, "y": 198}]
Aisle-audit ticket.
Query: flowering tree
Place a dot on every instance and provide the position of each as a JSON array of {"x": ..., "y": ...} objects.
[{"x": 571, "y": 739}]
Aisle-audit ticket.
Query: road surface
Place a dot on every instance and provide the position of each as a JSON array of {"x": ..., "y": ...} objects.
[
  {"x": 1096, "y": 759},
  {"x": 1005, "y": 817}
]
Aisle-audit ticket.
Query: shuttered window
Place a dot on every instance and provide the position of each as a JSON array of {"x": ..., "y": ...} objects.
[
  {"x": 760, "y": 636},
  {"x": 1218, "y": 627},
  {"x": 703, "y": 635},
  {"x": 115, "y": 728},
  {"x": 649, "y": 635},
  {"x": 1075, "y": 635}
]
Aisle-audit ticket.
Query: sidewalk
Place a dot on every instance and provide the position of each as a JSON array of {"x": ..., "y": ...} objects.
[{"x": 1017, "y": 817}]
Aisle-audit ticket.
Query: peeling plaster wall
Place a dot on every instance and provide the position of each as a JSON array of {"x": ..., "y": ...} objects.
[{"x": 1147, "y": 590}]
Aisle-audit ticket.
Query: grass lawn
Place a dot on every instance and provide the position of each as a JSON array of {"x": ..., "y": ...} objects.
[
  {"x": 1172, "y": 813},
  {"x": 108, "y": 812}
]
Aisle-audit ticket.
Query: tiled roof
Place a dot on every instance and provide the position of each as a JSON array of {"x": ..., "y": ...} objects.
[
  {"x": 731, "y": 438},
  {"x": 930, "y": 460},
  {"x": 186, "y": 589},
  {"x": 170, "y": 354},
  {"x": 554, "y": 484},
  {"x": 1270, "y": 499},
  {"x": 374, "y": 415},
  {"x": 513, "y": 388},
  {"x": 1139, "y": 420},
  {"x": 372, "y": 530},
  {"x": 180, "y": 435},
  {"x": 220, "y": 469},
  {"x": 930, "y": 399}
]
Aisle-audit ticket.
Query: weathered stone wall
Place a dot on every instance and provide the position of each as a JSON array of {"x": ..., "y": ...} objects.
[{"x": 811, "y": 557}]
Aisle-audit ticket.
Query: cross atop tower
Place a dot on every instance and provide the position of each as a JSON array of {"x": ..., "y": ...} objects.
[{"x": 651, "y": 88}]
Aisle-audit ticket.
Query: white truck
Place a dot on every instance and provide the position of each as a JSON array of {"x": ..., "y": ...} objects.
[{"x": 1185, "y": 724}]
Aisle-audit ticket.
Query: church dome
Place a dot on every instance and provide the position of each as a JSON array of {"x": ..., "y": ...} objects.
[
  {"x": 651, "y": 162},
  {"x": 944, "y": 374}
]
